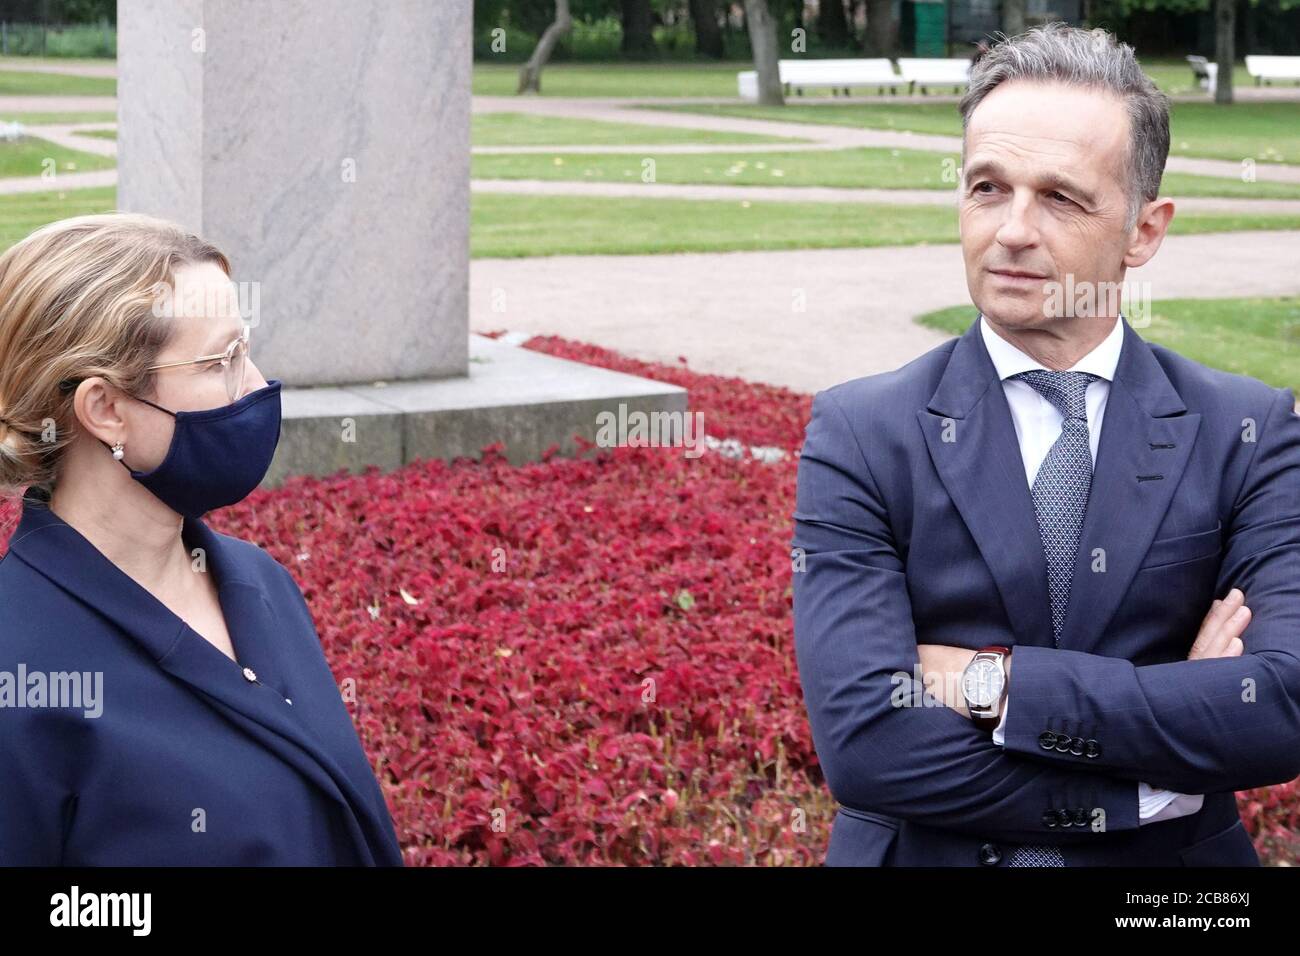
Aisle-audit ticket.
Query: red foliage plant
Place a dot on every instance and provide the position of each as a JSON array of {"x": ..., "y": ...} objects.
[{"x": 587, "y": 659}]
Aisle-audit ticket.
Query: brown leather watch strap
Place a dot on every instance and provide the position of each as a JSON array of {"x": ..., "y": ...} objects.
[{"x": 988, "y": 723}]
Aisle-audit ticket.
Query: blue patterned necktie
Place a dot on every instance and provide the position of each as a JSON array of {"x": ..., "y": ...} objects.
[{"x": 1060, "y": 493}]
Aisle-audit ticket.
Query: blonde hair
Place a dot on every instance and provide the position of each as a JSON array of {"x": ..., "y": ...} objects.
[{"x": 77, "y": 299}]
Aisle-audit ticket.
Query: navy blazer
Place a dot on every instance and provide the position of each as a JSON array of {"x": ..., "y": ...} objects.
[
  {"x": 194, "y": 759},
  {"x": 914, "y": 524}
]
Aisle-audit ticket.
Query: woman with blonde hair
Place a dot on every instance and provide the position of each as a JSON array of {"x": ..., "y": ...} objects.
[{"x": 164, "y": 699}]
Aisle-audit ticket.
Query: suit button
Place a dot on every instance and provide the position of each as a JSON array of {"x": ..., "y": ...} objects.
[
  {"x": 1081, "y": 816},
  {"x": 1050, "y": 819},
  {"x": 1047, "y": 740},
  {"x": 288, "y": 701},
  {"x": 1063, "y": 743},
  {"x": 990, "y": 854},
  {"x": 249, "y": 675},
  {"x": 1091, "y": 748},
  {"x": 1076, "y": 746}
]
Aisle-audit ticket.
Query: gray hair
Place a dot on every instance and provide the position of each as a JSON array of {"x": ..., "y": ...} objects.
[{"x": 1057, "y": 52}]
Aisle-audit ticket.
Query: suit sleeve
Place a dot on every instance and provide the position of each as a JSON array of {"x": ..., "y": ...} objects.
[
  {"x": 1153, "y": 806},
  {"x": 1205, "y": 725},
  {"x": 884, "y": 744},
  {"x": 34, "y": 807}
]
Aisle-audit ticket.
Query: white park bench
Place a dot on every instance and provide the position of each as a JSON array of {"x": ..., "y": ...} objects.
[
  {"x": 835, "y": 75},
  {"x": 1205, "y": 71},
  {"x": 926, "y": 72},
  {"x": 1266, "y": 69}
]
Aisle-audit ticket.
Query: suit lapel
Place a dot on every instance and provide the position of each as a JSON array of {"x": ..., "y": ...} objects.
[
  {"x": 69, "y": 560},
  {"x": 972, "y": 442},
  {"x": 1145, "y": 433},
  {"x": 1146, "y": 439}
]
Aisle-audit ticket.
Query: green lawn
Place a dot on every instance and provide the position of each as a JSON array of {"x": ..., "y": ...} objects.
[
  {"x": 525, "y": 129},
  {"x": 25, "y": 61},
  {"x": 938, "y": 118},
  {"x": 857, "y": 168},
  {"x": 505, "y": 225},
  {"x": 1172, "y": 75},
  {"x": 27, "y": 155},
  {"x": 555, "y": 225},
  {"x": 865, "y": 168},
  {"x": 1255, "y": 337},
  {"x": 851, "y": 168},
  {"x": 1187, "y": 184},
  {"x": 615, "y": 79},
  {"x": 55, "y": 84},
  {"x": 1266, "y": 132},
  {"x": 36, "y": 119},
  {"x": 22, "y": 213},
  {"x": 576, "y": 79},
  {"x": 99, "y": 133}
]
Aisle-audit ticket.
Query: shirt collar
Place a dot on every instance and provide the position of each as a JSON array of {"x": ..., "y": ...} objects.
[{"x": 1009, "y": 360}]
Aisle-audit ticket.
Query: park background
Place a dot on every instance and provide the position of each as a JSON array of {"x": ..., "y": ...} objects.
[{"x": 823, "y": 219}]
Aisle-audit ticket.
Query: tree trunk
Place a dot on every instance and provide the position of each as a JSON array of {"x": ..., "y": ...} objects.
[
  {"x": 832, "y": 25},
  {"x": 638, "y": 24},
  {"x": 762, "y": 38},
  {"x": 1225, "y": 25},
  {"x": 708, "y": 38},
  {"x": 882, "y": 33},
  {"x": 1013, "y": 17},
  {"x": 530, "y": 74}
]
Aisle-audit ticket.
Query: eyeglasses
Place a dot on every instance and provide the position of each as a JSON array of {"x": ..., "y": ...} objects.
[{"x": 234, "y": 360}]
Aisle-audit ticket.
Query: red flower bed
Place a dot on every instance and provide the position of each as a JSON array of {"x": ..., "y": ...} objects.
[
  {"x": 752, "y": 413},
  {"x": 593, "y": 654},
  {"x": 583, "y": 660}
]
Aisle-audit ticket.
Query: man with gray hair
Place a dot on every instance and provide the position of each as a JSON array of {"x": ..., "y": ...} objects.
[{"x": 969, "y": 511}]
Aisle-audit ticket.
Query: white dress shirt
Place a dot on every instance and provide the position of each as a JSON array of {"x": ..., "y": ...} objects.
[{"x": 1038, "y": 425}]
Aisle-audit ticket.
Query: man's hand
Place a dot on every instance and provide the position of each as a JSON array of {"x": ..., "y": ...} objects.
[
  {"x": 941, "y": 669},
  {"x": 1220, "y": 633}
]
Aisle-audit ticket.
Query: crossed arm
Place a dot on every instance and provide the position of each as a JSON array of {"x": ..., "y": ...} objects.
[
  {"x": 1220, "y": 636},
  {"x": 1177, "y": 725},
  {"x": 1205, "y": 724}
]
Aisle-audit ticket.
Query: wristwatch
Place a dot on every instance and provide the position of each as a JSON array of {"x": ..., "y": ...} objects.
[{"x": 984, "y": 685}]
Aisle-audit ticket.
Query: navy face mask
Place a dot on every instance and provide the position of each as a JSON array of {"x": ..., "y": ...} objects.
[{"x": 217, "y": 456}]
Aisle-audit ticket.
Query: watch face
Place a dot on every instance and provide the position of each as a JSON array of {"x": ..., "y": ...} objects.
[{"x": 981, "y": 683}]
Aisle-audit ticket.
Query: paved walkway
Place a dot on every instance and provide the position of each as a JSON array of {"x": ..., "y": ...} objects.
[
  {"x": 822, "y": 136},
  {"x": 733, "y": 313},
  {"x": 535, "y": 187},
  {"x": 58, "y": 104},
  {"x": 893, "y": 197},
  {"x": 39, "y": 184},
  {"x": 67, "y": 134},
  {"x": 28, "y": 64}
]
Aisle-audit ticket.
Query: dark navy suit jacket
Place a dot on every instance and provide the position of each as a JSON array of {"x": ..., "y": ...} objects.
[
  {"x": 916, "y": 525},
  {"x": 190, "y": 762}
]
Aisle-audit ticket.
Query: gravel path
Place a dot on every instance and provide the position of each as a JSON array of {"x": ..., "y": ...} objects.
[
  {"x": 735, "y": 313},
  {"x": 824, "y": 136},
  {"x": 893, "y": 197},
  {"x": 805, "y": 319}
]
